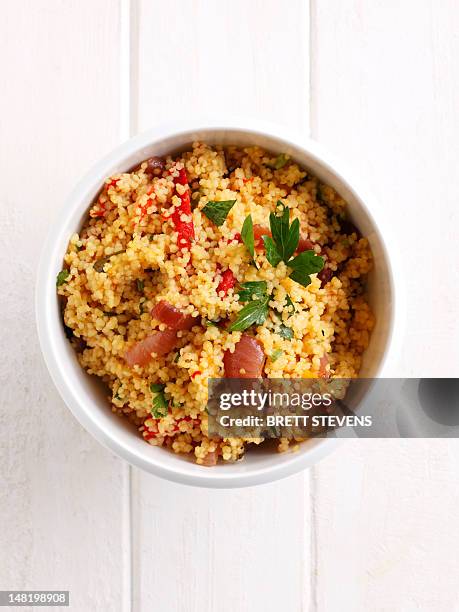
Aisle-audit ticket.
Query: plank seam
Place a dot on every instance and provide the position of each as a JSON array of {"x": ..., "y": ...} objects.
[
  {"x": 125, "y": 131},
  {"x": 312, "y": 71},
  {"x": 314, "y": 550}
]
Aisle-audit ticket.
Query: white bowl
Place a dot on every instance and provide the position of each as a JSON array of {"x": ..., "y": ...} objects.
[{"x": 84, "y": 395}]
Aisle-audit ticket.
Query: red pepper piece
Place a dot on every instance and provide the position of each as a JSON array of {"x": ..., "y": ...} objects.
[
  {"x": 228, "y": 281},
  {"x": 184, "y": 229},
  {"x": 258, "y": 232},
  {"x": 100, "y": 212}
]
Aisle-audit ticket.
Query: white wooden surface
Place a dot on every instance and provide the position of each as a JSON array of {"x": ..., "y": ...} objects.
[{"x": 374, "y": 526}]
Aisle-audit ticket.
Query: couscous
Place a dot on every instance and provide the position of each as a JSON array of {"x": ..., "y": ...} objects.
[{"x": 218, "y": 262}]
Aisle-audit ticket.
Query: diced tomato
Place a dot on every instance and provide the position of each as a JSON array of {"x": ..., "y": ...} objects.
[
  {"x": 228, "y": 282},
  {"x": 235, "y": 238},
  {"x": 325, "y": 276},
  {"x": 258, "y": 232},
  {"x": 160, "y": 342},
  {"x": 196, "y": 373},
  {"x": 184, "y": 229},
  {"x": 304, "y": 244},
  {"x": 247, "y": 361},
  {"x": 323, "y": 371},
  {"x": 171, "y": 316},
  {"x": 210, "y": 459}
]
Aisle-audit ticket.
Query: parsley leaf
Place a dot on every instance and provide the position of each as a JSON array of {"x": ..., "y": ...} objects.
[
  {"x": 218, "y": 211},
  {"x": 160, "y": 406},
  {"x": 284, "y": 242},
  {"x": 254, "y": 312},
  {"x": 303, "y": 265},
  {"x": 140, "y": 285},
  {"x": 285, "y": 237},
  {"x": 210, "y": 323},
  {"x": 272, "y": 254},
  {"x": 286, "y": 332},
  {"x": 279, "y": 162},
  {"x": 289, "y": 303},
  {"x": 247, "y": 236},
  {"x": 155, "y": 388},
  {"x": 62, "y": 277},
  {"x": 247, "y": 290},
  {"x": 100, "y": 263},
  {"x": 276, "y": 354}
]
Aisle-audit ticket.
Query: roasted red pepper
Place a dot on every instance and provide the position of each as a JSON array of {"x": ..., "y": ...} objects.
[
  {"x": 228, "y": 281},
  {"x": 184, "y": 229}
]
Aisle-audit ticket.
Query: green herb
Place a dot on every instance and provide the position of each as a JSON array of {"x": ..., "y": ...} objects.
[
  {"x": 248, "y": 238},
  {"x": 117, "y": 395},
  {"x": 289, "y": 302},
  {"x": 140, "y": 285},
  {"x": 252, "y": 290},
  {"x": 286, "y": 332},
  {"x": 62, "y": 277},
  {"x": 218, "y": 211},
  {"x": 303, "y": 265},
  {"x": 279, "y": 162},
  {"x": 156, "y": 388},
  {"x": 285, "y": 237},
  {"x": 253, "y": 313},
  {"x": 100, "y": 263},
  {"x": 177, "y": 357},
  {"x": 209, "y": 323},
  {"x": 151, "y": 237},
  {"x": 320, "y": 194},
  {"x": 272, "y": 254},
  {"x": 276, "y": 354},
  {"x": 142, "y": 305},
  {"x": 256, "y": 310},
  {"x": 160, "y": 404}
]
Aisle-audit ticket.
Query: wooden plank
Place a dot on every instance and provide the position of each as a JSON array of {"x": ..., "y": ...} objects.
[
  {"x": 200, "y": 549},
  {"x": 385, "y": 88},
  {"x": 62, "y": 494}
]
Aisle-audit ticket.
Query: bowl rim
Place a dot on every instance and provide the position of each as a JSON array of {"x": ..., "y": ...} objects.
[{"x": 215, "y": 478}]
